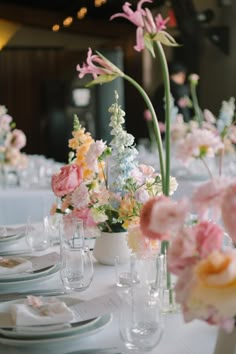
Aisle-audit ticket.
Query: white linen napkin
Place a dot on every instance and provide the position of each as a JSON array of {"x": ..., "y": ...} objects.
[
  {"x": 12, "y": 265},
  {"x": 37, "y": 311}
]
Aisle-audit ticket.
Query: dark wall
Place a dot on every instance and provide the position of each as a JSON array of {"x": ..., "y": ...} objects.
[{"x": 35, "y": 87}]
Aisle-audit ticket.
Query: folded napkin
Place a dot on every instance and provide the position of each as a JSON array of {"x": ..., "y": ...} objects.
[
  {"x": 12, "y": 265},
  {"x": 37, "y": 311}
]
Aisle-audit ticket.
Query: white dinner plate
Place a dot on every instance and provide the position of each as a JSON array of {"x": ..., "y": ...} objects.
[
  {"x": 21, "y": 278},
  {"x": 11, "y": 238},
  {"x": 10, "y": 337}
]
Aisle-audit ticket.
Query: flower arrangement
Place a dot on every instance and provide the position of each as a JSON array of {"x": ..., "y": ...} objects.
[
  {"x": 204, "y": 268},
  {"x": 104, "y": 185},
  {"x": 205, "y": 136},
  {"x": 12, "y": 140}
]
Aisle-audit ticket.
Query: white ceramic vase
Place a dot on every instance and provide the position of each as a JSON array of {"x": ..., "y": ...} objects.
[
  {"x": 110, "y": 245},
  {"x": 225, "y": 343}
]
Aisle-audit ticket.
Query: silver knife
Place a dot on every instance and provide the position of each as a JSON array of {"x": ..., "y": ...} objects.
[{"x": 21, "y": 295}]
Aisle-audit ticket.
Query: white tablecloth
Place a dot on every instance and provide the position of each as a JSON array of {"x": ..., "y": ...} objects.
[
  {"x": 18, "y": 204},
  {"x": 179, "y": 338}
]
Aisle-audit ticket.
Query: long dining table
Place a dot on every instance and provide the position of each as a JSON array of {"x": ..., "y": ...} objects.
[{"x": 179, "y": 338}]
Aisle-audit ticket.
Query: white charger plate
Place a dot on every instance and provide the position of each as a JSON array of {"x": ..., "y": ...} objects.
[{"x": 11, "y": 238}]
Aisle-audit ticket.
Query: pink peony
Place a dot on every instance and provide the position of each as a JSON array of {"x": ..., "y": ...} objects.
[
  {"x": 182, "y": 251},
  {"x": 228, "y": 210},
  {"x": 67, "y": 180},
  {"x": 209, "y": 197},
  {"x": 161, "y": 216},
  {"x": 208, "y": 236}
]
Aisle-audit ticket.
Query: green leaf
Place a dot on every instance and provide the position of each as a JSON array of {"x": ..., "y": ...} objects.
[
  {"x": 166, "y": 39},
  {"x": 149, "y": 45},
  {"x": 102, "y": 79}
]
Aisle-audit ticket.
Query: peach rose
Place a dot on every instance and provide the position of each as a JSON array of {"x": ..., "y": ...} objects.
[
  {"x": 65, "y": 182},
  {"x": 215, "y": 286}
]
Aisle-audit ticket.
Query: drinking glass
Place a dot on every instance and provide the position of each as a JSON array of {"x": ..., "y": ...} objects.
[
  {"x": 52, "y": 224},
  {"x": 141, "y": 323},
  {"x": 36, "y": 236},
  {"x": 76, "y": 263}
]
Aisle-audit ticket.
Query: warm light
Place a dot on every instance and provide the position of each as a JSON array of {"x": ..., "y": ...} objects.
[
  {"x": 68, "y": 21},
  {"x": 82, "y": 12},
  {"x": 98, "y": 3},
  {"x": 55, "y": 28},
  {"x": 7, "y": 31}
]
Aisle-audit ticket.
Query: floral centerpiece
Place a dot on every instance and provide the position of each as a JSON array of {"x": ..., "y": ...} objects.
[
  {"x": 104, "y": 185},
  {"x": 12, "y": 140}
]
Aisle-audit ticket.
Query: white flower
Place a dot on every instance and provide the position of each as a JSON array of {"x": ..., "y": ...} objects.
[{"x": 98, "y": 215}]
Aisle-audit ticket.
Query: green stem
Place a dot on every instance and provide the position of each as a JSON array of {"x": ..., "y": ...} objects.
[
  {"x": 155, "y": 126},
  {"x": 151, "y": 132},
  {"x": 196, "y": 107},
  {"x": 207, "y": 168},
  {"x": 166, "y": 80}
]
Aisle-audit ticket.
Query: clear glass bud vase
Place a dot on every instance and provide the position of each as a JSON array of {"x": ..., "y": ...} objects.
[{"x": 76, "y": 262}]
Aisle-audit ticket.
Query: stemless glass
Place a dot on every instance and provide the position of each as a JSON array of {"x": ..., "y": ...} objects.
[
  {"x": 36, "y": 236},
  {"x": 140, "y": 320},
  {"x": 76, "y": 263}
]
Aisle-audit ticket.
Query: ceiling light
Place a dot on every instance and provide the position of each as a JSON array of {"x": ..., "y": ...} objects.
[
  {"x": 55, "y": 28},
  {"x": 82, "y": 12},
  {"x": 98, "y": 3},
  {"x": 67, "y": 21}
]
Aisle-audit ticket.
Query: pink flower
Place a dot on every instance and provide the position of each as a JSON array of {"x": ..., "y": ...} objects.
[
  {"x": 67, "y": 180},
  {"x": 18, "y": 139},
  {"x": 85, "y": 215},
  {"x": 182, "y": 251},
  {"x": 209, "y": 197},
  {"x": 147, "y": 115},
  {"x": 198, "y": 144},
  {"x": 228, "y": 210},
  {"x": 208, "y": 236},
  {"x": 161, "y": 216},
  {"x": 98, "y": 65},
  {"x": 80, "y": 196},
  {"x": 161, "y": 23},
  {"x": 141, "y": 195},
  {"x": 137, "y": 18},
  {"x": 194, "y": 78}
]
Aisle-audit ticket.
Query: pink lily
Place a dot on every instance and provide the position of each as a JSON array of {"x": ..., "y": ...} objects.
[
  {"x": 104, "y": 67},
  {"x": 161, "y": 22},
  {"x": 137, "y": 18}
]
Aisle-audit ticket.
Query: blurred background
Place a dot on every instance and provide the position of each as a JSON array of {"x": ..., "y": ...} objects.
[{"x": 42, "y": 42}]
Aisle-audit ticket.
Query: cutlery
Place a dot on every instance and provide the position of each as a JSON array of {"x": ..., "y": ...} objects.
[{"x": 21, "y": 295}]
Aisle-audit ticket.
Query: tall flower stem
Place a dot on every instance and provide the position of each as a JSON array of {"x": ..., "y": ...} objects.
[
  {"x": 196, "y": 107},
  {"x": 166, "y": 80},
  {"x": 155, "y": 126}
]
